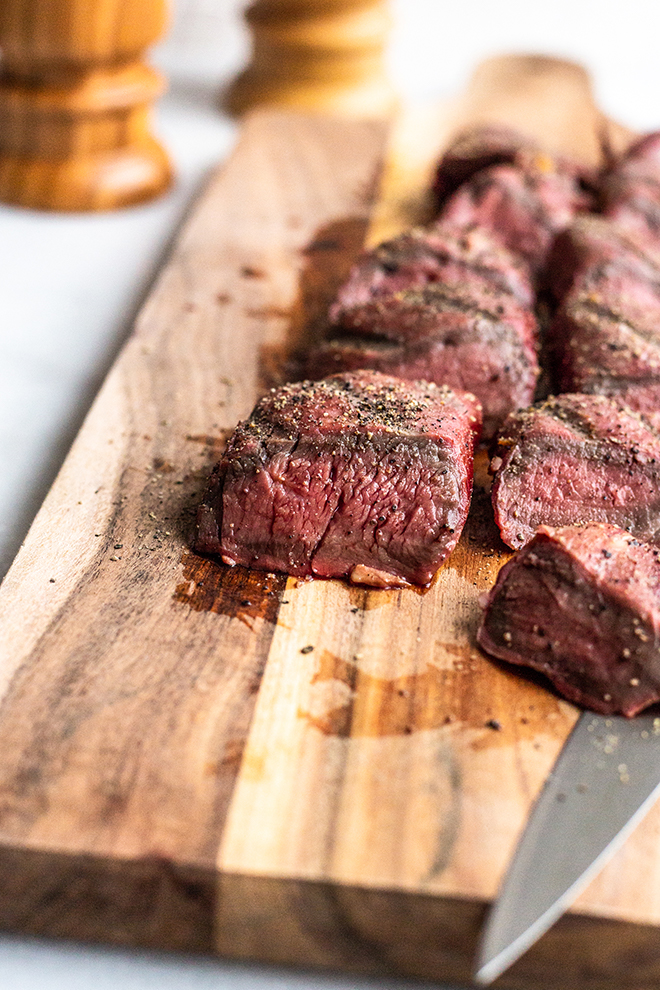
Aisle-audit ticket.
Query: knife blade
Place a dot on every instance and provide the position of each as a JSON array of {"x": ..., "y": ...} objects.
[{"x": 606, "y": 778}]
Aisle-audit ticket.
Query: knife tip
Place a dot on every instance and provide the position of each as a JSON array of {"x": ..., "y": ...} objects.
[
  {"x": 487, "y": 972},
  {"x": 489, "y": 968},
  {"x": 497, "y": 952}
]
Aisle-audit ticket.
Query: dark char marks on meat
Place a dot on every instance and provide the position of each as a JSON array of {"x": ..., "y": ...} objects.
[
  {"x": 360, "y": 475},
  {"x": 594, "y": 252},
  {"x": 470, "y": 337},
  {"x": 418, "y": 257},
  {"x": 484, "y": 146},
  {"x": 523, "y": 210},
  {"x": 630, "y": 189},
  {"x": 576, "y": 459},
  {"x": 605, "y": 336}
]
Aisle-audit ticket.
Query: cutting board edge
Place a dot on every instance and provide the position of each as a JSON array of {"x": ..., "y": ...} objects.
[{"x": 308, "y": 923}]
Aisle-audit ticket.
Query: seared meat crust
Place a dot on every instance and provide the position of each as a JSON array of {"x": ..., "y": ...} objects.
[
  {"x": 576, "y": 459},
  {"x": 630, "y": 190},
  {"x": 446, "y": 255},
  {"x": 605, "y": 336},
  {"x": 471, "y": 338},
  {"x": 523, "y": 210},
  {"x": 482, "y": 147},
  {"x": 582, "y": 605},
  {"x": 359, "y": 475}
]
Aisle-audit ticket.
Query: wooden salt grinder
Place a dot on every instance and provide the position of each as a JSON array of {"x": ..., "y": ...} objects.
[
  {"x": 318, "y": 55},
  {"x": 74, "y": 103}
]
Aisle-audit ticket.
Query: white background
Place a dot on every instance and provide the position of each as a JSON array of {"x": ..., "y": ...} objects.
[{"x": 70, "y": 287}]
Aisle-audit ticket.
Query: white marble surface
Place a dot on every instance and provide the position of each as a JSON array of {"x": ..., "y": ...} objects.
[
  {"x": 70, "y": 286},
  {"x": 30, "y": 964}
]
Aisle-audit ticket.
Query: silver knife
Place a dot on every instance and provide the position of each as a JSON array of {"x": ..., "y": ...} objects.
[{"x": 606, "y": 778}]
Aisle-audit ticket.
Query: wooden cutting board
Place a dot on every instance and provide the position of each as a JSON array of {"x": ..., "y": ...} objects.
[{"x": 211, "y": 759}]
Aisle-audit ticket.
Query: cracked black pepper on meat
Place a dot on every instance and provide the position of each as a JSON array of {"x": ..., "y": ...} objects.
[{"x": 314, "y": 487}]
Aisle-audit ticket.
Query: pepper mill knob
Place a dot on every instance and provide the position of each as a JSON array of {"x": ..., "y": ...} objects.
[
  {"x": 319, "y": 55},
  {"x": 74, "y": 103}
]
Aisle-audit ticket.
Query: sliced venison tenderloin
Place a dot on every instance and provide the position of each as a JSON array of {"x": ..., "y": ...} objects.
[
  {"x": 608, "y": 343},
  {"x": 468, "y": 337},
  {"x": 359, "y": 475},
  {"x": 418, "y": 257},
  {"x": 581, "y": 604},
  {"x": 630, "y": 189},
  {"x": 472, "y": 151},
  {"x": 594, "y": 252},
  {"x": 576, "y": 459},
  {"x": 524, "y": 210},
  {"x": 483, "y": 146},
  {"x": 605, "y": 335}
]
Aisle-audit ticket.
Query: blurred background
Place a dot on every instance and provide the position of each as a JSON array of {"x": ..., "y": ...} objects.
[
  {"x": 70, "y": 286},
  {"x": 435, "y": 45}
]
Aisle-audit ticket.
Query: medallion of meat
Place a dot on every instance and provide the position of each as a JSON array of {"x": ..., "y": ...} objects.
[
  {"x": 576, "y": 459},
  {"x": 419, "y": 257},
  {"x": 605, "y": 336},
  {"x": 468, "y": 337},
  {"x": 630, "y": 190},
  {"x": 524, "y": 210},
  {"x": 472, "y": 151},
  {"x": 360, "y": 476},
  {"x": 582, "y": 605},
  {"x": 595, "y": 254},
  {"x": 484, "y": 146},
  {"x": 609, "y": 344}
]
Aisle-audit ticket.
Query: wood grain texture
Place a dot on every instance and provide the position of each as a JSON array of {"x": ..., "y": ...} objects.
[
  {"x": 75, "y": 98},
  {"x": 140, "y": 663},
  {"x": 306, "y": 772}
]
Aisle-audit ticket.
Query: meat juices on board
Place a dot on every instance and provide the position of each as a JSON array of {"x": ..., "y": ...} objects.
[
  {"x": 581, "y": 604},
  {"x": 359, "y": 475}
]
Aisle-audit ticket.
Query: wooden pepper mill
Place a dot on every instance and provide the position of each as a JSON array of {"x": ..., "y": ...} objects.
[
  {"x": 324, "y": 55},
  {"x": 74, "y": 103}
]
